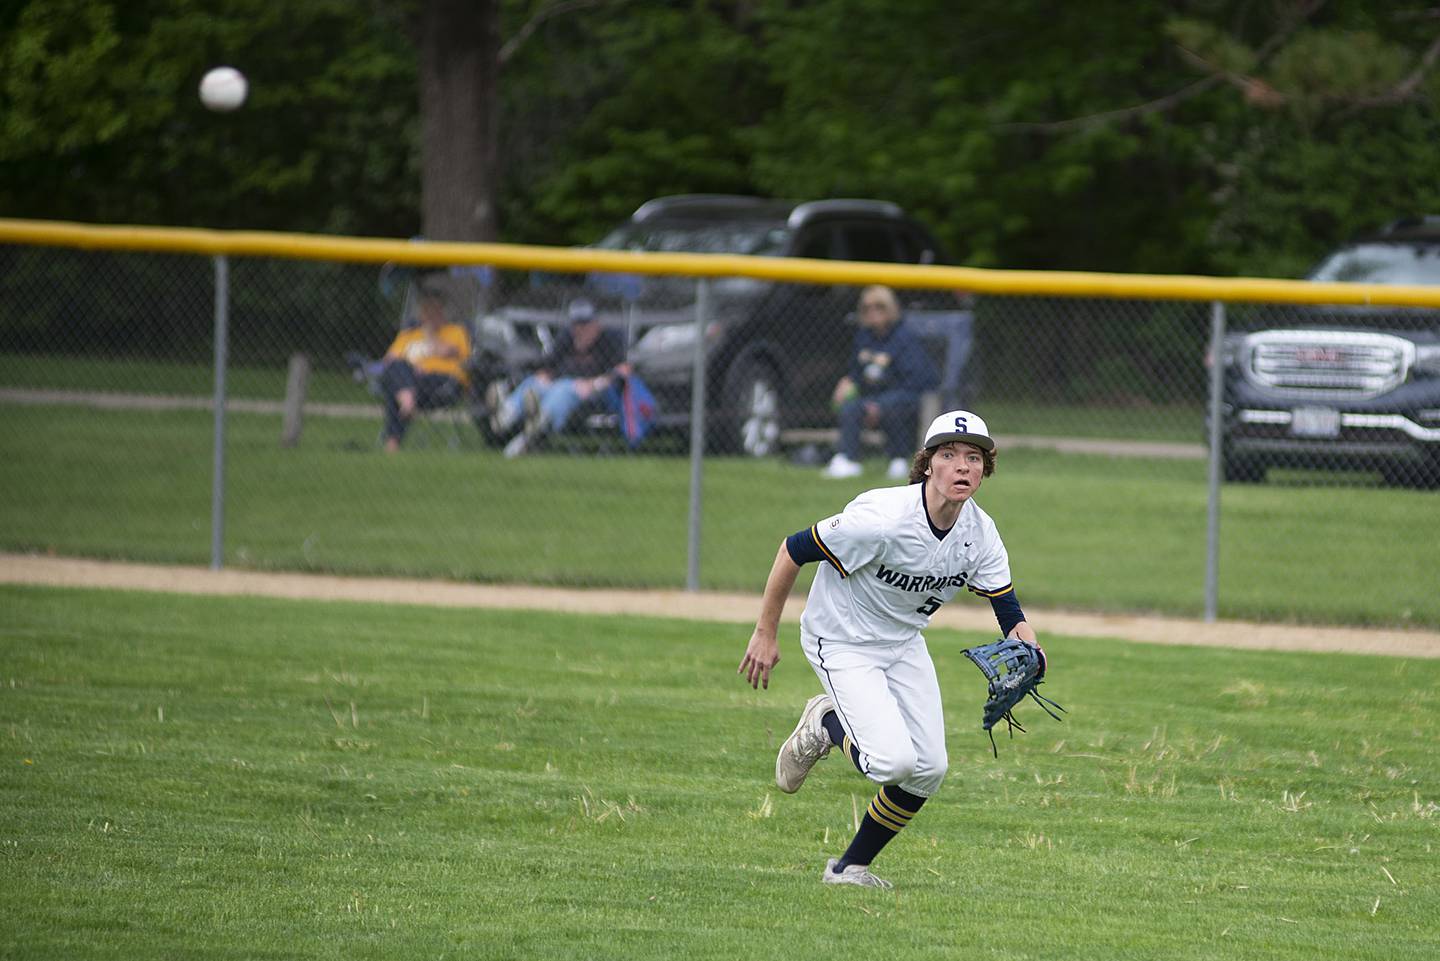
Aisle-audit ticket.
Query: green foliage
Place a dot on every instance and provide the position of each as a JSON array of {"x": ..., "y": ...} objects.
[
  {"x": 102, "y": 121},
  {"x": 1365, "y": 176},
  {"x": 1226, "y": 137},
  {"x": 255, "y": 778},
  {"x": 658, "y": 102},
  {"x": 1213, "y": 44},
  {"x": 947, "y": 109},
  {"x": 1337, "y": 65}
]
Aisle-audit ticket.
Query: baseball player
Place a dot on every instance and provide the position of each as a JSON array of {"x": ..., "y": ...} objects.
[{"x": 889, "y": 560}]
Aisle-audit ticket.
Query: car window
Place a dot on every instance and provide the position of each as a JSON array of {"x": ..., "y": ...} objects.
[
  {"x": 870, "y": 242},
  {"x": 1381, "y": 263},
  {"x": 820, "y": 242},
  {"x": 738, "y": 237},
  {"x": 915, "y": 249}
]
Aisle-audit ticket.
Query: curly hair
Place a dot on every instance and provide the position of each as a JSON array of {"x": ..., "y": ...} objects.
[{"x": 921, "y": 462}]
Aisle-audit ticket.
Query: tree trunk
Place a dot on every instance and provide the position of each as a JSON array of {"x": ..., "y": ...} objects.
[{"x": 459, "y": 106}]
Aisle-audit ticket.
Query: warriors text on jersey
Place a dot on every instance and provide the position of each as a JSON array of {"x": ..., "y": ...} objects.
[{"x": 889, "y": 568}]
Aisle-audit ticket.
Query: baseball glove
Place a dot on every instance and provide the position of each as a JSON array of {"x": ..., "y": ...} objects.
[{"x": 1014, "y": 669}]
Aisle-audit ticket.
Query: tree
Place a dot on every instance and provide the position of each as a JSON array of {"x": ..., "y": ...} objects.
[{"x": 459, "y": 106}]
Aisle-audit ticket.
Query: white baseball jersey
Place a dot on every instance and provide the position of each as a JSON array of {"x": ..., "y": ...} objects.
[{"x": 889, "y": 570}]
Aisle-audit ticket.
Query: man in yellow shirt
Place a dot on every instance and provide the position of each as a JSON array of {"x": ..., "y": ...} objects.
[{"x": 424, "y": 367}]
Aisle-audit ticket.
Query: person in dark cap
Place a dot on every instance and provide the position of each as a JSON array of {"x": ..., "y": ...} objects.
[{"x": 582, "y": 363}]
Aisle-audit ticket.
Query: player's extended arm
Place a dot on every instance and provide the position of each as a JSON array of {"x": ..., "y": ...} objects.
[
  {"x": 763, "y": 651},
  {"x": 1009, "y": 615}
]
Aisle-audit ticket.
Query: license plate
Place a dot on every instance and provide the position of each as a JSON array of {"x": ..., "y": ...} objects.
[{"x": 1315, "y": 422}]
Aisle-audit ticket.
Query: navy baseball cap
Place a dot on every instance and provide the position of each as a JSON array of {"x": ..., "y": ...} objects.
[
  {"x": 580, "y": 310},
  {"x": 959, "y": 426}
]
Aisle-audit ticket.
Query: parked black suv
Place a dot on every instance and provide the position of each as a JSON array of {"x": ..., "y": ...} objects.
[
  {"x": 774, "y": 350},
  {"x": 1343, "y": 387}
]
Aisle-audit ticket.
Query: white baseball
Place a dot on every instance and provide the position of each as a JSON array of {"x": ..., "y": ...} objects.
[{"x": 223, "y": 89}]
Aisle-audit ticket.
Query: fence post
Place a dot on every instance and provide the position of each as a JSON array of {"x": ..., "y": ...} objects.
[
  {"x": 217, "y": 481},
  {"x": 697, "y": 432},
  {"x": 1212, "y": 524},
  {"x": 297, "y": 381}
]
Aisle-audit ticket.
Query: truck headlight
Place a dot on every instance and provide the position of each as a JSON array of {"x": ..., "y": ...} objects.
[{"x": 1427, "y": 358}]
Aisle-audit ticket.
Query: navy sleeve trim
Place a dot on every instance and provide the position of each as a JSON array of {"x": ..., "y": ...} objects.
[
  {"x": 803, "y": 548},
  {"x": 1007, "y": 611}
]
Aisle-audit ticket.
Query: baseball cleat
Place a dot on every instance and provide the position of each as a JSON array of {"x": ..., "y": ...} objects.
[
  {"x": 807, "y": 744},
  {"x": 857, "y": 874}
]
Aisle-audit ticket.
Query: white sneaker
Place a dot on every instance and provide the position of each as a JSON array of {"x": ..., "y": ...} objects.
[
  {"x": 534, "y": 417},
  {"x": 853, "y": 874},
  {"x": 807, "y": 744},
  {"x": 899, "y": 469},
  {"x": 502, "y": 416},
  {"x": 517, "y": 446},
  {"x": 841, "y": 467}
]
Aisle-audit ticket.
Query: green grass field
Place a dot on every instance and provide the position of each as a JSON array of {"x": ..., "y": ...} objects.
[
  {"x": 1084, "y": 532},
  {"x": 135, "y": 376},
  {"x": 200, "y": 777}
]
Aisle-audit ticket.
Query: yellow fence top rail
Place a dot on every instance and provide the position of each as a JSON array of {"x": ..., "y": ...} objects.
[{"x": 247, "y": 243}]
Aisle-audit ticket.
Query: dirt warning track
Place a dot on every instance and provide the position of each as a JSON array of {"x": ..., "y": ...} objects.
[{"x": 739, "y": 609}]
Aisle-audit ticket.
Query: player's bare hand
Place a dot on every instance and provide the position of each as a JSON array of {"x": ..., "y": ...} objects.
[{"x": 761, "y": 656}]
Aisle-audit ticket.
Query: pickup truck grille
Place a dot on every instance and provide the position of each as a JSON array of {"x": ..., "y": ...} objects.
[{"x": 1331, "y": 363}]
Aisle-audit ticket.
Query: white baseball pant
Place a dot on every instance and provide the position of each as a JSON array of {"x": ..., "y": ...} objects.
[{"x": 888, "y": 700}]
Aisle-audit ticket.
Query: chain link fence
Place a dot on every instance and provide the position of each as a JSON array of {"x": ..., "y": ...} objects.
[{"x": 1329, "y": 424}]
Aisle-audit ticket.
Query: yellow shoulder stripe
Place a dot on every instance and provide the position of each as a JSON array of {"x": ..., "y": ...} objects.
[{"x": 829, "y": 555}]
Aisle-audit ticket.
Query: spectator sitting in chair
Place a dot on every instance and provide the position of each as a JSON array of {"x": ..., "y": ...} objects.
[
  {"x": 889, "y": 370},
  {"x": 424, "y": 368},
  {"x": 582, "y": 364}
]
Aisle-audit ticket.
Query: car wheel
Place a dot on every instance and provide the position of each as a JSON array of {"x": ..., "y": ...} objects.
[{"x": 752, "y": 405}]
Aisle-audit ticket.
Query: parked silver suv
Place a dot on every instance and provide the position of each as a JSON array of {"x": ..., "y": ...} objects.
[{"x": 1343, "y": 387}]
